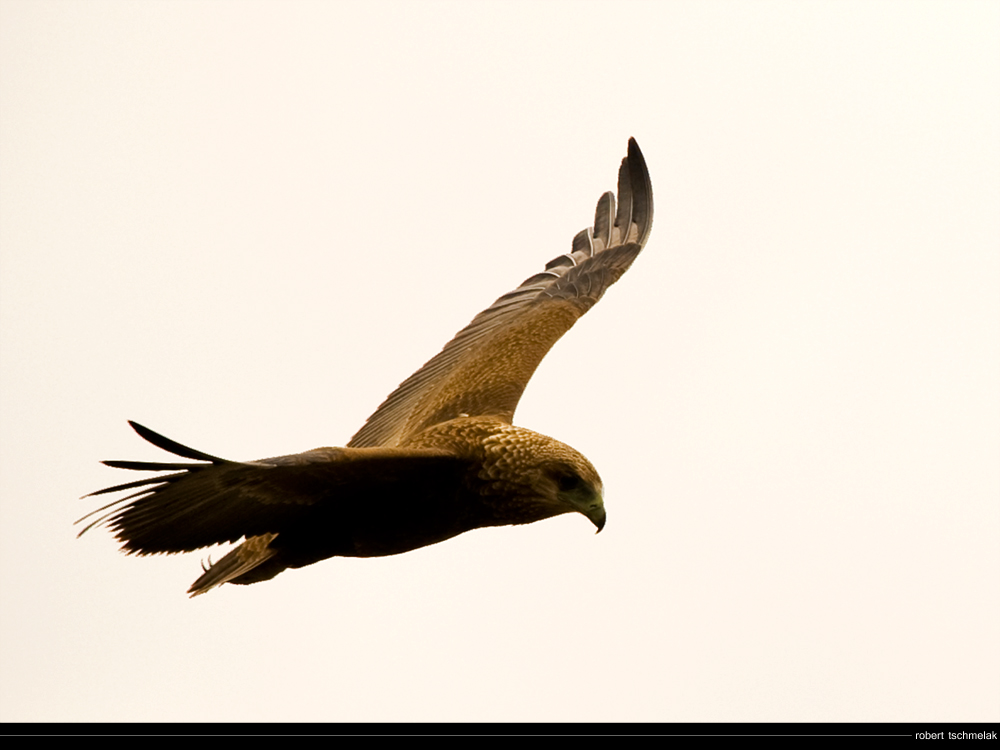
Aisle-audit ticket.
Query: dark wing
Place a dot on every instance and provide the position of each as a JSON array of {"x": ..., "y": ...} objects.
[
  {"x": 485, "y": 368},
  {"x": 214, "y": 501}
]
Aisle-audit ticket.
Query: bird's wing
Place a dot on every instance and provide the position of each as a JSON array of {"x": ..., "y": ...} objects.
[
  {"x": 214, "y": 501},
  {"x": 485, "y": 368}
]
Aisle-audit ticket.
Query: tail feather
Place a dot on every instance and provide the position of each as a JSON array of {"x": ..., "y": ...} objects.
[{"x": 252, "y": 553}]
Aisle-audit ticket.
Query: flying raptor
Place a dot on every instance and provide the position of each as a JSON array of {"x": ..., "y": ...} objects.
[{"x": 439, "y": 457}]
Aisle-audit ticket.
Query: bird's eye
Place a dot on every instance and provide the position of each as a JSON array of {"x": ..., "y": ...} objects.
[{"x": 569, "y": 482}]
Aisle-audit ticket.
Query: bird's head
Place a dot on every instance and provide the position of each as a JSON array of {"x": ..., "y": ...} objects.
[
  {"x": 577, "y": 487},
  {"x": 548, "y": 478}
]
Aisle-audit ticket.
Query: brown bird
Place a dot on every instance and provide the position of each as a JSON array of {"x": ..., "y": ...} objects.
[{"x": 439, "y": 457}]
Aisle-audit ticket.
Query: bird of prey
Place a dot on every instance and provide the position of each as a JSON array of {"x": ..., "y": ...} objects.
[{"x": 439, "y": 457}]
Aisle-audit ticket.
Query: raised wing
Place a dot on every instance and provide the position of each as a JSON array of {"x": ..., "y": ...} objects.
[
  {"x": 485, "y": 368},
  {"x": 214, "y": 501}
]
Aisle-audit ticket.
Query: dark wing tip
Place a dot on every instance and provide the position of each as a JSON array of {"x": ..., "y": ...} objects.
[
  {"x": 171, "y": 446},
  {"x": 642, "y": 190},
  {"x": 114, "y": 510}
]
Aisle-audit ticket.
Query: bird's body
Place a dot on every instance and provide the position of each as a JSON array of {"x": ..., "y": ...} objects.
[{"x": 438, "y": 458}]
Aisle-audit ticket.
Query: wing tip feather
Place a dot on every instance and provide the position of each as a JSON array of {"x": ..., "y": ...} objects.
[{"x": 641, "y": 187}]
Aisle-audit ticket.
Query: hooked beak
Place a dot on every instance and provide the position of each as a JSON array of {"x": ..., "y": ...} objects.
[
  {"x": 598, "y": 516},
  {"x": 588, "y": 501},
  {"x": 595, "y": 512}
]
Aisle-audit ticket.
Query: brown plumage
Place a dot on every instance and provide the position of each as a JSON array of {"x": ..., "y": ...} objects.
[{"x": 439, "y": 457}]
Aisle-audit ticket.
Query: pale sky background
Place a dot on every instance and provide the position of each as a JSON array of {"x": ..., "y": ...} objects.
[{"x": 243, "y": 224}]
